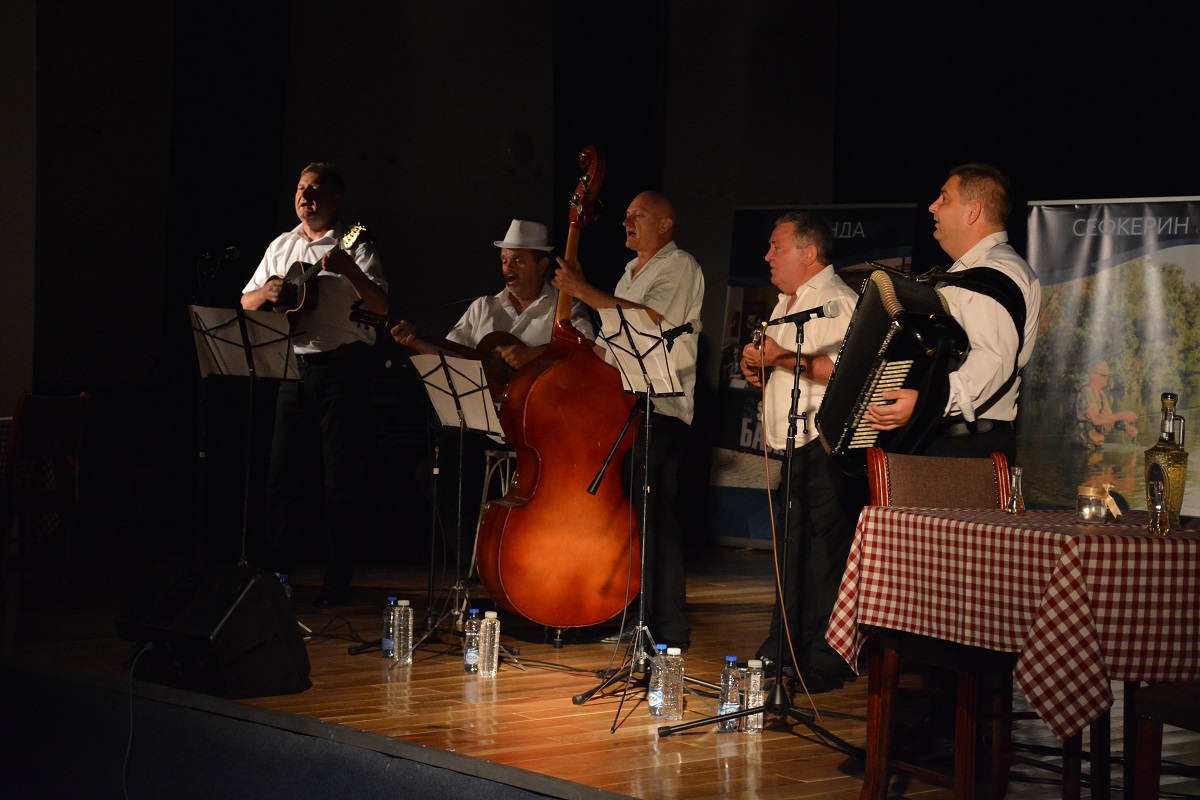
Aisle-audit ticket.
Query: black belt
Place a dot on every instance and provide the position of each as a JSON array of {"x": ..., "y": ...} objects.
[
  {"x": 961, "y": 427},
  {"x": 332, "y": 356}
]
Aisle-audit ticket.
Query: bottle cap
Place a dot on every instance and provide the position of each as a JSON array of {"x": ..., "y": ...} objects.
[
  {"x": 391, "y": 599},
  {"x": 754, "y": 663},
  {"x": 674, "y": 651},
  {"x": 731, "y": 659},
  {"x": 662, "y": 648},
  {"x": 489, "y": 614},
  {"x": 402, "y": 603},
  {"x": 474, "y": 610}
]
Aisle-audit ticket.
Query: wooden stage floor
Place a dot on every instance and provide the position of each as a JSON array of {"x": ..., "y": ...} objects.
[{"x": 525, "y": 717}]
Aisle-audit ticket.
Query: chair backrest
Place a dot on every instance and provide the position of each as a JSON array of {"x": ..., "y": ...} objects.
[
  {"x": 47, "y": 433},
  {"x": 932, "y": 482}
]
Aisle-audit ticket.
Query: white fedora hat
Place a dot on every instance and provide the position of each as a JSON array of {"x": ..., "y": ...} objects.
[{"x": 525, "y": 235}]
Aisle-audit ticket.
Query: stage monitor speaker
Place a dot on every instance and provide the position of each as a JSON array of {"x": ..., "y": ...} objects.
[{"x": 222, "y": 630}]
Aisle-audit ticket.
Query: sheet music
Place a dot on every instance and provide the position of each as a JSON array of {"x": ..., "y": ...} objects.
[
  {"x": 458, "y": 390},
  {"x": 637, "y": 344},
  {"x": 223, "y": 350}
]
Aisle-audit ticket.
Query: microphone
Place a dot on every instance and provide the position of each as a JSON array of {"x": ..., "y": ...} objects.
[
  {"x": 230, "y": 253},
  {"x": 674, "y": 333},
  {"x": 830, "y": 309}
]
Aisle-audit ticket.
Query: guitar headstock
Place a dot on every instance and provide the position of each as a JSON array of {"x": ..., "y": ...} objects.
[
  {"x": 583, "y": 201},
  {"x": 353, "y": 235},
  {"x": 361, "y": 316}
]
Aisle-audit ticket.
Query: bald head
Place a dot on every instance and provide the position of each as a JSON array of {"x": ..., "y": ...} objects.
[{"x": 649, "y": 223}]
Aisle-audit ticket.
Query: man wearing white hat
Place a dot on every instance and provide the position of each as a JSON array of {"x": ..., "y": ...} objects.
[{"x": 524, "y": 307}]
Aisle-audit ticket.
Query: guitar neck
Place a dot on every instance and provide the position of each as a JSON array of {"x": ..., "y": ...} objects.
[
  {"x": 448, "y": 346},
  {"x": 343, "y": 243},
  {"x": 383, "y": 325},
  {"x": 309, "y": 272}
]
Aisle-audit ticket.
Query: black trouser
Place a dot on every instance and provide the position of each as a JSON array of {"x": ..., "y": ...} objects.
[
  {"x": 329, "y": 405},
  {"x": 823, "y": 512},
  {"x": 666, "y": 584}
]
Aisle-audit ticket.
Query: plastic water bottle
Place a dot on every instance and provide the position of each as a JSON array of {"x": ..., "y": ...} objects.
[
  {"x": 731, "y": 684},
  {"x": 672, "y": 707},
  {"x": 489, "y": 644},
  {"x": 754, "y": 696},
  {"x": 387, "y": 642},
  {"x": 402, "y": 636},
  {"x": 471, "y": 643},
  {"x": 284, "y": 579},
  {"x": 654, "y": 695}
]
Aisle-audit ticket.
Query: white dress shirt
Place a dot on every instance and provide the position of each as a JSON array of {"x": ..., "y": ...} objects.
[
  {"x": 672, "y": 284},
  {"x": 822, "y": 337},
  {"x": 327, "y": 325},
  {"x": 532, "y": 326},
  {"x": 991, "y": 331}
]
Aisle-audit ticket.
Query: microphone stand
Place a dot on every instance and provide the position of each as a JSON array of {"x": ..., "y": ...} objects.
[
  {"x": 458, "y": 392},
  {"x": 431, "y": 614},
  {"x": 633, "y": 361},
  {"x": 779, "y": 700}
]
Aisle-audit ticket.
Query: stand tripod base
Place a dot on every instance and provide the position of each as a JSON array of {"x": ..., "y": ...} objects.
[
  {"x": 778, "y": 704},
  {"x": 635, "y": 662}
]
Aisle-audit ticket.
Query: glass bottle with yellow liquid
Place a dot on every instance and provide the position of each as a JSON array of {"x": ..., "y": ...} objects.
[{"x": 1170, "y": 458}]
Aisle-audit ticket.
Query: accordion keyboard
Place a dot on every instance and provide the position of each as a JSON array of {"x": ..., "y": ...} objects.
[{"x": 890, "y": 375}]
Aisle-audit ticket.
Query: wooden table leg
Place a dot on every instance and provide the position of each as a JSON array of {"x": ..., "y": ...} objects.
[
  {"x": 1100, "y": 759},
  {"x": 883, "y": 680},
  {"x": 1129, "y": 727},
  {"x": 965, "y": 728},
  {"x": 1146, "y": 772},
  {"x": 1001, "y": 724},
  {"x": 1072, "y": 766}
]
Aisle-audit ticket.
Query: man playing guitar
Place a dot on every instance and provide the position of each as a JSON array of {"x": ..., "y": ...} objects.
[
  {"x": 506, "y": 331},
  {"x": 514, "y": 324},
  {"x": 334, "y": 361}
]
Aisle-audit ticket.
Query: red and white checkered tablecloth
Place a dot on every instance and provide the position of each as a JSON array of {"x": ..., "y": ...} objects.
[{"x": 1083, "y": 605}]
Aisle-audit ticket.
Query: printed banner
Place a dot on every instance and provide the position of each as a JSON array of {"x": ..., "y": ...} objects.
[{"x": 1120, "y": 325}]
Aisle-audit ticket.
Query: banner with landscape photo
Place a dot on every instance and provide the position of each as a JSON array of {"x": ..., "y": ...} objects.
[{"x": 1120, "y": 294}]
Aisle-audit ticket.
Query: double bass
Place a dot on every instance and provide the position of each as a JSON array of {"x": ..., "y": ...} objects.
[{"x": 551, "y": 550}]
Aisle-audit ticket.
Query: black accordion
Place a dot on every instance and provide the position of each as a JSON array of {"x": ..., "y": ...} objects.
[{"x": 901, "y": 336}]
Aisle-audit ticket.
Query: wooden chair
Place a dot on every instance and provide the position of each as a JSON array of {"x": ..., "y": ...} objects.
[
  {"x": 928, "y": 482},
  {"x": 40, "y": 479},
  {"x": 1176, "y": 704}
]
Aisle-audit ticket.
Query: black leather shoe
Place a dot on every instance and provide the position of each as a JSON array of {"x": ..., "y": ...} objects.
[
  {"x": 772, "y": 670},
  {"x": 818, "y": 682},
  {"x": 620, "y": 637},
  {"x": 334, "y": 596}
]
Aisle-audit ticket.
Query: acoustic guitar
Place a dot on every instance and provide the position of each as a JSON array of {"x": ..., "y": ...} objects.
[
  {"x": 299, "y": 290},
  {"x": 495, "y": 369}
]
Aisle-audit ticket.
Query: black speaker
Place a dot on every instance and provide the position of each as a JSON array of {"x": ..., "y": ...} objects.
[{"x": 222, "y": 630}]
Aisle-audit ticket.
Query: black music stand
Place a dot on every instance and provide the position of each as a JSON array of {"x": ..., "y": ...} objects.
[
  {"x": 641, "y": 349},
  {"x": 779, "y": 699},
  {"x": 241, "y": 343},
  {"x": 459, "y": 393}
]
